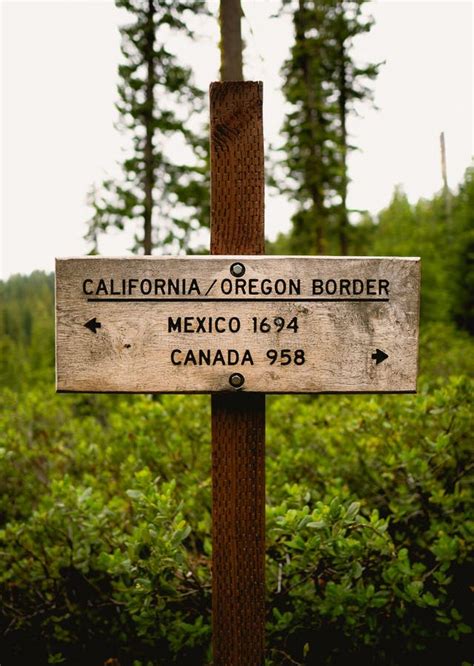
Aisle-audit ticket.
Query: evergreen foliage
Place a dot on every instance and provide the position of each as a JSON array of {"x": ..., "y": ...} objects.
[
  {"x": 26, "y": 329},
  {"x": 352, "y": 83},
  {"x": 323, "y": 85},
  {"x": 446, "y": 250},
  {"x": 461, "y": 252},
  {"x": 157, "y": 102}
]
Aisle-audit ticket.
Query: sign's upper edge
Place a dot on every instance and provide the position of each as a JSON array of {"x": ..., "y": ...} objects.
[{"x": 213, "y": 257}]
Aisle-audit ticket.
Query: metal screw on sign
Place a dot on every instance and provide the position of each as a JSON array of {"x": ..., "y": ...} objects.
[
  {"x": 237, "y": 269},
  {"x": 236, "y": 380}
]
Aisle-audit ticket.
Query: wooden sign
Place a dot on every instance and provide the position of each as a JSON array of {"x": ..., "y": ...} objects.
[{"x": 260, "y": 324}]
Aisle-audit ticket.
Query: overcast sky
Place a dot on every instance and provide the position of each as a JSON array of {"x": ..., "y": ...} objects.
[{"x": 59, "y": 76}]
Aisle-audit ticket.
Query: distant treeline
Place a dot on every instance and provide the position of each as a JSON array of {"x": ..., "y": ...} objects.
[
  {"x": 444, "y": 242},
  {"x": 26, "y": 328}
]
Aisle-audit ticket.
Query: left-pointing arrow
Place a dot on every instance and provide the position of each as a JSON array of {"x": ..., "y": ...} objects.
[{"x": 93, "y": 325}]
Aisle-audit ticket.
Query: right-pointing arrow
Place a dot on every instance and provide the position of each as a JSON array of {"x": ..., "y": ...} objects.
[{"x": 379, "y": 356}]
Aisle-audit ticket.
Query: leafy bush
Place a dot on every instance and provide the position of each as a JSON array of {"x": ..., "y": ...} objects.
[
  {"x": 106, "y": 547},
  {"x": 94, "y": 540},
  {"x": 105, "y": 500},
  {"x": 374, "y": 545}
]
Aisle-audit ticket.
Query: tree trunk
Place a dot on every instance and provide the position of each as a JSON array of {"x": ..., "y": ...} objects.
[
  {"x": 444, "y": 172},
  {"x": 314, "y": 164},
  {"x": 231, "y": 40},
  {"x": 342, "y": 102},
  {"x": 149, "y": 175}
]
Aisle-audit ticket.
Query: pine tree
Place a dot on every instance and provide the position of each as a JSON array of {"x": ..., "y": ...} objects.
[
  {"x": 461, "y": 253},
  {"x": 351, "y": 83},
  {"x": 323, "y": 85},
  {"x": 157, "y": 101},
  {"x": 308, "y": 127}
]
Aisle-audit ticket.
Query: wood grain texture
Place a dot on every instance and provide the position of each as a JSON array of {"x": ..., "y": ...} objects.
[
  {"x": 238, "y": 529},
  {"x": 237, "y": 174},
  {"x": 238, "y": 421},
  {"x": 132, "y": 350}
]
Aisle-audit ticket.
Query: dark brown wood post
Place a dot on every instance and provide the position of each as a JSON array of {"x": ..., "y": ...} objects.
[{"x": 238, "y": 419}]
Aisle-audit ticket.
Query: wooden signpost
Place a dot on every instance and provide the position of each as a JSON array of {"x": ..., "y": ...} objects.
[
  {"x": 259, "y": 324},
  {"x": 237, "y": 326}
]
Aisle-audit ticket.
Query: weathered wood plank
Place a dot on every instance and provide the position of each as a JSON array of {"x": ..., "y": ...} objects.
[{"x": 343, "y": 310}]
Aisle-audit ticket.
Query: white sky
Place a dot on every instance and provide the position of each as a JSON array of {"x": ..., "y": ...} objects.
[{"x": 59, "y": 75}]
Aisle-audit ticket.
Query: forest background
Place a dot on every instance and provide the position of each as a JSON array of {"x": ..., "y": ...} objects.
[{"x": 105, "y": 500}]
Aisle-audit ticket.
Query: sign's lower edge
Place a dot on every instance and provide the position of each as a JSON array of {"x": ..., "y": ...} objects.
[{"x": 404, "y": 391}]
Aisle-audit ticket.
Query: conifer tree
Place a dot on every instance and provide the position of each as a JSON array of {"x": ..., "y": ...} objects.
[
  {"x": 156, "y": 101},
  {"x": 351, "y": 83},
  {"x": 308, "y": 127},
  {"x": 323, "y": 84}
]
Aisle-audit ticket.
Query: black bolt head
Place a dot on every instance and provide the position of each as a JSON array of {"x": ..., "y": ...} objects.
[
  {"x": 236, "y": 380},
  {"x": 237, "y": 269}
]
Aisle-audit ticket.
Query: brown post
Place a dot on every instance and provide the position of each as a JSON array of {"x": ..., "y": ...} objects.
[{"x": 238, "y": 419}]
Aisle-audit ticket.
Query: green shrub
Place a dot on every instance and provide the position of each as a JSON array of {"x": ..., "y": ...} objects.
[
  {"x": 105, "y": 521},
  {"x": 372, "y": 544},
  {"x": 106, "y": 546}
]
